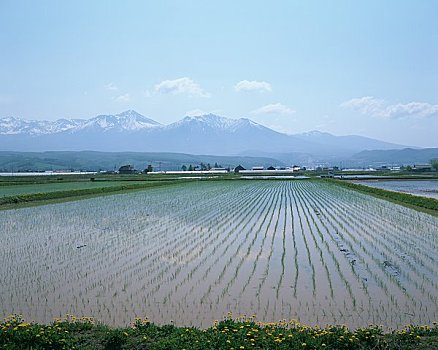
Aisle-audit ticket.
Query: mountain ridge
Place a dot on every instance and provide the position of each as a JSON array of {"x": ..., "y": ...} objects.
[{"x": 209, "y": 133}]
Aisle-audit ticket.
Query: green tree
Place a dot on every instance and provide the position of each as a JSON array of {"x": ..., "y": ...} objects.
[
  {"x": 184, "y": 168},
  {"x": 149, "y": 169},
  {"x": 434, "y": 163}
]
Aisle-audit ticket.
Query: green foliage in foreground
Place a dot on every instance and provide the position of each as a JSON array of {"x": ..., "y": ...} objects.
[
  {"x": 430, "y": 204},
  {"x": 44, "y": 196},
  {"x": 243, "y": 333}
]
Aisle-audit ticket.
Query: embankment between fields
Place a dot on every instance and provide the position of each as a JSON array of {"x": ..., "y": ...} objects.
[
  {"x": 229, "y": 334},
  {"x": 429, "y": 205}
]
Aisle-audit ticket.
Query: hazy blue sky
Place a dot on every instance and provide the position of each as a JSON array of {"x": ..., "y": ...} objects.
[{"x": 346, "y": 67}]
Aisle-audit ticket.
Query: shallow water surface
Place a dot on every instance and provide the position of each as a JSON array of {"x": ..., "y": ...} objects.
[
  {"x": 425, "y": 188},
  {"x": 190, "y": 253}
]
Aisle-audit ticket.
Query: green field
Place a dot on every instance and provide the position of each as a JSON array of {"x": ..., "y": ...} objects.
[{"x": 13, "y": 190}]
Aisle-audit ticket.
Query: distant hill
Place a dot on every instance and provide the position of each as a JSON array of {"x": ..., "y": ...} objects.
[
  {"x": 406, "y": 156},
  {"x": 206, "y": 134},
  {"x": 96, "y": 161},
  {"x": 347, "y": 142}
]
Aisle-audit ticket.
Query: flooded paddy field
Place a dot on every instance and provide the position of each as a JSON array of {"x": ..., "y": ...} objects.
[
  {"x": 424, "y": 188},
  {"x": 13, "y": 190},
  {"x": 299, "y": 249}
]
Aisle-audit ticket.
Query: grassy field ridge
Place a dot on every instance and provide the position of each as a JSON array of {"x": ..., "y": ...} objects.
[{"x": 229, "y": 334}]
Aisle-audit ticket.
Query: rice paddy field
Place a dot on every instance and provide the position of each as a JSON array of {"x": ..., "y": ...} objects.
[
  {"x": 13, "y": 190},
  {"x": 425, "y": 188},
  {"x": 190, "y": 253}
]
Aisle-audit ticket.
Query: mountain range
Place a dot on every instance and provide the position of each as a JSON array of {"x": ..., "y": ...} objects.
[{"x": 206, "y": 134}]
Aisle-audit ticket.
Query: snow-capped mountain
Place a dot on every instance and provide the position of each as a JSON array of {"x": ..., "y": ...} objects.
[
  {"x": 13, "y": 126},
  {"x": 126, "y": 121},
  {"x": 212, "y": 121},
  {"x": 205, "y": 134},
  {"x": 129, "y": 120}
]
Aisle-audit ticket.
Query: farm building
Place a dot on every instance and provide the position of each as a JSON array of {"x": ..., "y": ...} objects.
[
  {"x": 126, "y": 169},
  {"x": 422, "y": 167},
  {"x": 238, "y": 168}
]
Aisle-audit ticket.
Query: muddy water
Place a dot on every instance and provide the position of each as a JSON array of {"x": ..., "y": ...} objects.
[
  {"x": 189, "y": 254},
  {"x": 424, "y": 188}
]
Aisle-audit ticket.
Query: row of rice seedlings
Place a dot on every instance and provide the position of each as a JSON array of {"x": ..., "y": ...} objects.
[
  {"x": 324, "y": 255},
  {"x": 361, "y": 278},
  {"x": 312, "y": 227},
  {"x": 283, "y": 243},
  {"x": 134, "y": 263},
  {"x": 401, "y": 230},
  {"x": 199, "y": 247},
  {"x": 266, "y": 219},
  {"x": 355, "y": 225},
  {"x": 332, "y": 262},
  {"x": 303, "y": 235},
  {"x": 332, "y": 241},
  {"x": 269, "y": 272},
  {"x": 407, "y": 220},
  {"x": 228, "y": 303},
  {"x": 401, "y": 239},
  {"x": 137, "y": 267},
  {"x": 387, "y": 252},
  {"x": 344, "y": 229},
  {"x": 275, "y": 213},
  {"x": 232, "y": 263},
  {"x": 226, "y": 229},
  {"x": 248, "y": 212}
]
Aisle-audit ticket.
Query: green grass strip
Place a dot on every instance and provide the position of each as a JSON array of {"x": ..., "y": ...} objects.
[{"x": 244, "y": 333}]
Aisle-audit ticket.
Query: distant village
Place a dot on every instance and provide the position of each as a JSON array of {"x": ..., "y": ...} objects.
[
  {"x": 271, "y": 170},
  {"x": 202, "y": 168}
]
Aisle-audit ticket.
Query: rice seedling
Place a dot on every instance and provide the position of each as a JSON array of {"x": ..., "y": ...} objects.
[{"x": 309, "y": 250}]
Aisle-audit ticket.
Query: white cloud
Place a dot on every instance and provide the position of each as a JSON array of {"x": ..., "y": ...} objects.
[
  {"x": 198, "y": 112},
  {"x": 123, "y": 98},
  {"x": 273, "y": 108},
  {"x": 181, "y": 86},
  {"x": 111, "y": 87},
  {"x": 365, "y": 105},
  {"x": 195, "y": 113},
  {"x": 378, "y": 107},
  {"x": 246, "y": 85}
]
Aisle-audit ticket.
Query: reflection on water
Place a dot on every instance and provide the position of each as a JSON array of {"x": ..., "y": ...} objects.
[
  {"x": 190, "y": 253},
  {"x": 425, "y": 188}
]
